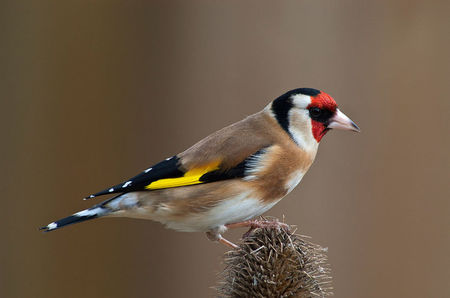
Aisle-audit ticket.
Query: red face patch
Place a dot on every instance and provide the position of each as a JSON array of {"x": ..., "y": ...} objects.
[{"x": 322, "y": 101}]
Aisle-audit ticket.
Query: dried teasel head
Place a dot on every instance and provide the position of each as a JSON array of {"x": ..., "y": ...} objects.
[{"x": 273, "y": 262}]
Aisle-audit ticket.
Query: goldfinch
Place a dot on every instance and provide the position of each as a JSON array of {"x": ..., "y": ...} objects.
[{"x": 231, "y": 176}]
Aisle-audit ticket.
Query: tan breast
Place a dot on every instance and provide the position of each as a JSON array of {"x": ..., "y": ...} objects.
[{"x": 284, "y": 168}]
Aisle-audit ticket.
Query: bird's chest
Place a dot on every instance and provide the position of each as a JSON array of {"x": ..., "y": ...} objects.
[
  {"x": 274, "y": 187},
  {"x": 279, "y": 172}
]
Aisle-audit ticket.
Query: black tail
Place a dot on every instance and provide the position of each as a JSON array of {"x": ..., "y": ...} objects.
[{"x": 91, "y": 213}]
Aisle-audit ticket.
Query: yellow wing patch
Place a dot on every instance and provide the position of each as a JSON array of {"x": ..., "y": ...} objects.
[{"x": 191, "y": 177}]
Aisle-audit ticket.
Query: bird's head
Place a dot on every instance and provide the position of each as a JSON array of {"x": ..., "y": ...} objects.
[{"x": 308, "y": 114}]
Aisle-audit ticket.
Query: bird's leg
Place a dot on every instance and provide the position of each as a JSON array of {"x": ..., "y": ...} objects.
[
  {"x": 255, "y": 224},
  {"x": 214, "y": 235},
  {"x": 227, "y": 242}
]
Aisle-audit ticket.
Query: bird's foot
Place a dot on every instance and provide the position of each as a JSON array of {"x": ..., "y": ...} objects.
[
  {"x": 255, "y": 224},
  {"x": 216, "y": 234}
]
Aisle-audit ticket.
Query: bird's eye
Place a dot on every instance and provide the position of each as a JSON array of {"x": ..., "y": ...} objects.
[{"x": 315, "y": 112}]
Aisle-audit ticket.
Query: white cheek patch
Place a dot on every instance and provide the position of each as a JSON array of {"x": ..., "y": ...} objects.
[{"x": 300, "y": 128}]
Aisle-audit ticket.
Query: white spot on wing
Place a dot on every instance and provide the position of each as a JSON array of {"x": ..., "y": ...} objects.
[
  {"x": 126, "y": 184},
  {"x": 111, "y": 190},
  {"x": 148, "y": 170},
  {"x": 92, "y": 196},
  {"x": 169, "y": 158}
]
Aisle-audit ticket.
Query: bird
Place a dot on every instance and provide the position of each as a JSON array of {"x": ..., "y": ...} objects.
[{"x": 230, "y": 177}]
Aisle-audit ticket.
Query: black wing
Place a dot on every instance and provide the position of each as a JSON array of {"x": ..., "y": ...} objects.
[
  {"x": 168, "y": 173},
  {"x": 168, "y": 168}
]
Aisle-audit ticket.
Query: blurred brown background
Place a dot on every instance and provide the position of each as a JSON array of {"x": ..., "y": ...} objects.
[{"x": 93, "y": 92}]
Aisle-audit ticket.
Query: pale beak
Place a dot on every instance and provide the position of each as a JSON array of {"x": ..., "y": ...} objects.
[{"x": 341, "y": 121}]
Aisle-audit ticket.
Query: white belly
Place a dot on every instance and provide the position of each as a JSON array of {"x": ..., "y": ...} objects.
[
  {"x": 240, "y": 208},
  {"x": 237, "y": 209}
]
